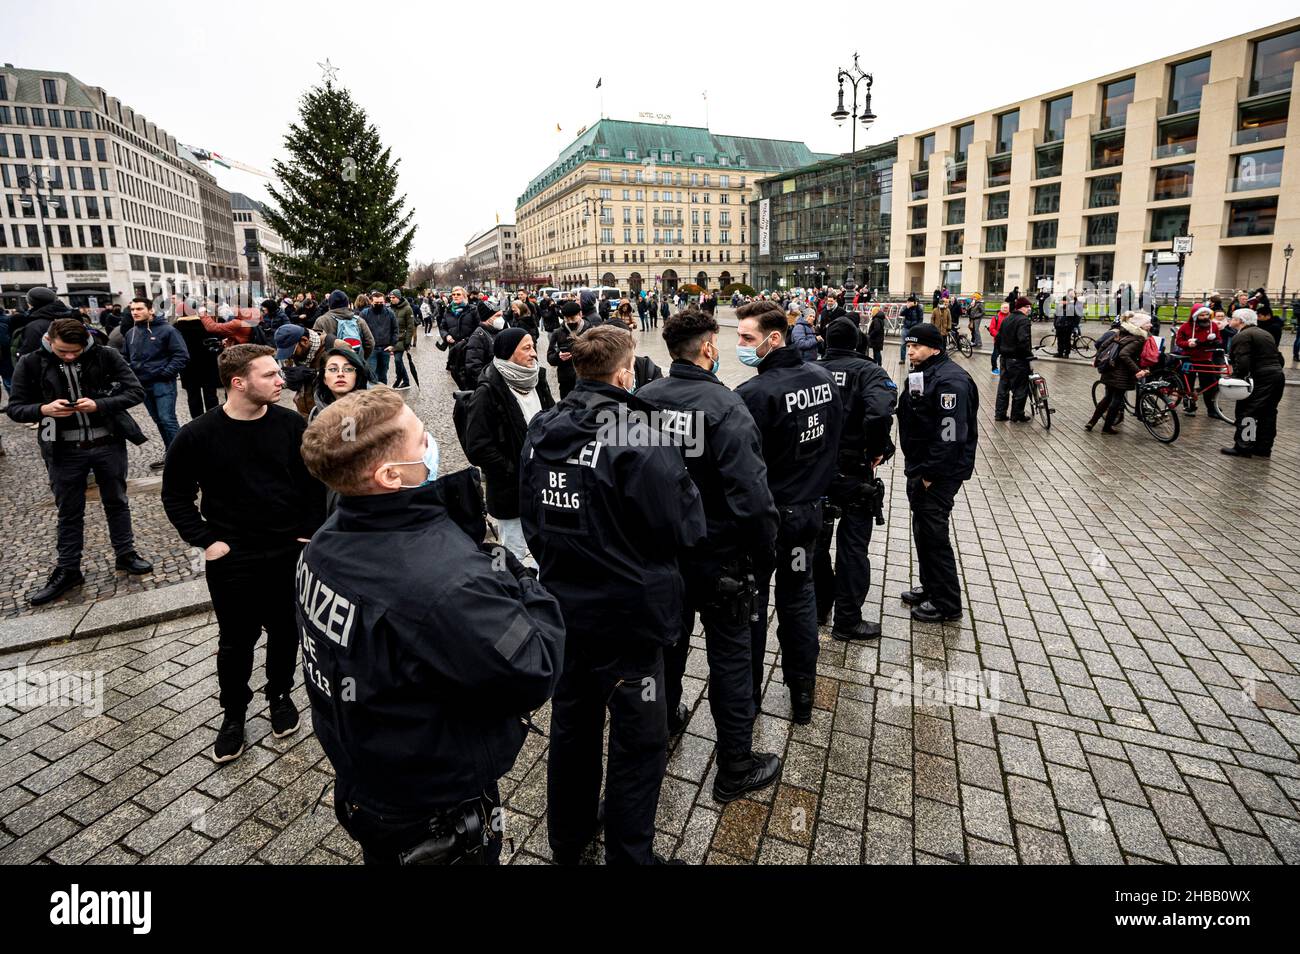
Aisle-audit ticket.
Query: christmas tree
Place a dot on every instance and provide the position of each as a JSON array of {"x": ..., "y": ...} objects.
[{"x": 338, "y": 210}]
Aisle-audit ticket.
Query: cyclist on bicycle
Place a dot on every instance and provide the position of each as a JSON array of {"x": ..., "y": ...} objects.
[{"x": 1199, "y": 340}]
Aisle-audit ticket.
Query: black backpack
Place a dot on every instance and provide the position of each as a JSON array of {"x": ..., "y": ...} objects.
[{"x": 1107, "y": 350}]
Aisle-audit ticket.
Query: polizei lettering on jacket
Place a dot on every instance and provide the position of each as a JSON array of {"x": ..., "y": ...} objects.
[
  {"x": 805, "y": 398},
  {"x": 329, "y": 613}
]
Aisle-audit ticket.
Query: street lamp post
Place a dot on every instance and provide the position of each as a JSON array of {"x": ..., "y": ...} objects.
[
  {"x": 1286, "y": 267},
  {"x": 42, "y": 193},
  {"x": 598, "y": 204},
  {"x": 866, "y": 117}
]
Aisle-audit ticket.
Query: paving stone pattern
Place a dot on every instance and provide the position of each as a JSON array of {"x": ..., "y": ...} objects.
[{"x": 1131, "y": 620}]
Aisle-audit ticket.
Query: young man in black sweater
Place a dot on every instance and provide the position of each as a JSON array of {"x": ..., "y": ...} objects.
[{"x": 260, "y": 505}]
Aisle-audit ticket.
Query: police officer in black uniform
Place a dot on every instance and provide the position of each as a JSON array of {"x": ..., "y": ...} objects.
[
  {"x": 420, "y": 696},
  {"x": 724, "y": 456},
  {"x": 607, "y": 507},
  {"x": 856, "y": 496},
  {"x": 937, "y": 431},
  {"x": 798, "y": 412}
]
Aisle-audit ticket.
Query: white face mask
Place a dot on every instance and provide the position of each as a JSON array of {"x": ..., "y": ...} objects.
[{"x": 498, "y": 323}]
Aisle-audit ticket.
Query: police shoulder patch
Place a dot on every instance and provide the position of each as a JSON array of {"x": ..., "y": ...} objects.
[{"x": 948, "y": 400}]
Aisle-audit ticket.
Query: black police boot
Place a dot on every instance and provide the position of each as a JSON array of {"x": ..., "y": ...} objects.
[
  {"x": 863, "y": 630},
  {"x": 230, "y": 740},
  {"x": 134, "y": 564},
  {"x": 677, "y": 720},
  {"x": 755, "y": 771},
  {"x": 927, "y": 612},
  {"x": 801, "y": 700},
  {"x": 913, "y": 597},
  {"x": 1233, "y": 451},
  {"x": 60, "y": 581}
]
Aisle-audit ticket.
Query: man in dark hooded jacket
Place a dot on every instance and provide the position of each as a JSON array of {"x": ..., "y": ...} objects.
[
  {"x": 478, "y": 350},
  {"x": 607, "y": 511},
  {"x": 589, "y": 304},
  {"x": 45, "y": 307},
  {"x": 558, "y": 350}
]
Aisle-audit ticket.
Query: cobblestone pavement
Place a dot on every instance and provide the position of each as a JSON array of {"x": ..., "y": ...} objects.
[{"x": 1131, "y": 622}]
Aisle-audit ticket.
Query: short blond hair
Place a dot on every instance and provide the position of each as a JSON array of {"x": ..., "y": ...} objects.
[{"x": 352, "y": 437}]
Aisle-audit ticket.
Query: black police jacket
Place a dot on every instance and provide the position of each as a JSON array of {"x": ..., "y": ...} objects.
[
  {"x": 724, "y": 455},
  {"x": 869, "y": 395},
  {"x": 799, "y": 414},
  {"x": 417, "y": 692},
  {"x": 937, "y": 429},
  {"x": 607, "y": 507}
]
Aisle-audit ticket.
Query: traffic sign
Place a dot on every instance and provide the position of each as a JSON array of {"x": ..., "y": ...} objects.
[{"x": 1182, "y": 245}]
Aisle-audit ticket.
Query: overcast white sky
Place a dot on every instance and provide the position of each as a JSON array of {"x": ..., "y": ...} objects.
[{"x": 469, "y": 94}]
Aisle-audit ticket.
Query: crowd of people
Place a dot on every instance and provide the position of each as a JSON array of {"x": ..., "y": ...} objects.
[{"x": 626, "y": 502}]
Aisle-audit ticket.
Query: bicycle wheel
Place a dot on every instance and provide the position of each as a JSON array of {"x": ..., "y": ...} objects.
[
  {"x": 1085, "y": 346},
  {"x": 1047, "y": 344},
  {"x": 1043, "y": 411},
  {"x": 1098, "y": 392},
  {"x": 1160, "y": 420},
  {"x": 964, "y": 346}
]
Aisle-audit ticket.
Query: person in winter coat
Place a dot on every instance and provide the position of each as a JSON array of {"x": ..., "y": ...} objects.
[
  {"x": 478, "y": 351},
  {"x": 664, "y": 312},
  {"x": 1200, "y": 341},
  {"x": 342, "y": 372},
  {"x": 558, "y": 354},
  {"x": 199, "y": 377},
  {"x": 912, "y": 314},
  {"x": 644, "y": 369},
  {"x": 1016, "y": 347},
  {"x": 404, "y": 339},
  {"x": 995, "y": 325},
  {"x": 976, "y": 314},
  {"x": 1255, "y": 356},
  {"x": 1067, "y": 323},
  {"x": 876, "y": 335},
  {"x": 511, "y": 391},
  {"x": 272, "y": 316},
  {"x": 802, "y": 335},
  {"x": 45, "y": 308},
  {"x": 521, "y": 316},
  {"x": 1269, "y": 321},
  {"x": 1124, "y": 372},
  {"x": 383, "y": 326},
  {"x": 941, "y": 317},
  {"x": 590, "y": 306},
  {"x": 156, "y": 353},
  {"x": 343, "y": 323}
]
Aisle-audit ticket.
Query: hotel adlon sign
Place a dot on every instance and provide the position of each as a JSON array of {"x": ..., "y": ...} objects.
[{"x": 765, "y": 227}]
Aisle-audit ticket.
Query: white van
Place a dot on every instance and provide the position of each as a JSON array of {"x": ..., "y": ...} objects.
[{"x": 551, "y": 293}]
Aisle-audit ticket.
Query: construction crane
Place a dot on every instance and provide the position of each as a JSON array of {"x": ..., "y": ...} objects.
[{"x": 207, "y": 155}]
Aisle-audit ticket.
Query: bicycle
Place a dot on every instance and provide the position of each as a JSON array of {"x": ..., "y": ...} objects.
[
  {"x": 1038, "y": 400},
  {"x": 1080, "y": 344},
  {"x": 959, "y": 342},
  {"x": 1157, "y": 409}
]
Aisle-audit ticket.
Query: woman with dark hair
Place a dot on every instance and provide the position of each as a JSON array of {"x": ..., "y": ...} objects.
[{"x": 342, "y": 373}]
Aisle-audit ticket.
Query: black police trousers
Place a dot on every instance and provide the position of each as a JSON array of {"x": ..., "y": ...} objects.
[
  {"x": 1013, "y": 387},
  {"x": 252, "y": 591},
  {"x": 384, "y": 840},
  {"x": 726, "y": 646},
  {"x": 1257, "y": 414},
  {"x": 847, "y": 583},
  {"x": 796, "y": 602},
  {"x": 935, "y": 562},
  {"x": 627, "y": 680}
]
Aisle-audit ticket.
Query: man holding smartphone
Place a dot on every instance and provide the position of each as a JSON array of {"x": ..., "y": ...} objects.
[{"x": 79, "y": 393}]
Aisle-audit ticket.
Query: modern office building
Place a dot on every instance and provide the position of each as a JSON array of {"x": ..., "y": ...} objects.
[
  {"x": 254, "y": 240},
  {"x": 1081, "y": 185},
  {"x": 801, "y": 234},
  {"x": 494, "y": 254},
  {"x": 219, "y": 281},
  {"x": 642, "y": 205},
  {"x": 119, "y": 213}
]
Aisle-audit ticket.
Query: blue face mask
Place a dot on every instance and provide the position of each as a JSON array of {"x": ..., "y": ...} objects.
[
  {"x": 429, "y": 460},
  {"x": 750, "y": 356}
]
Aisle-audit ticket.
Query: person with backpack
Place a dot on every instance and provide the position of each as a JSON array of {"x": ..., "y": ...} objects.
[
  {"x": 511, "y": 391},
  {"x": 1119, "y": 353},
  {"x": 342, "y": 322}
]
